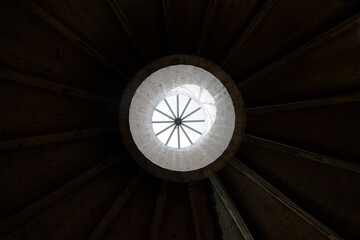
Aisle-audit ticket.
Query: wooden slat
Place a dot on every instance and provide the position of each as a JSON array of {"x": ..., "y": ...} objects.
[
  {"x": 55, "y": 137},
  {"x": 304, "y": 104},
  {"x": 199, "y": 232},
  {"x": 71, "y": 36},
  {"x": 248, "y": 32},
  {"x": 117, "y": 206},
  {"x": 207, "y": 24},
  {"x": 167, "y": 26},
  {"x": 297, "y": 52},
  {"x": 128, "y": 29},
  {"x": 268, "y": 188},
  {"x": 56, "y": 87},
  {"x": 159, "y": 208},
  {"x": 348, "y": 166},
  {"x": 218, "y": 189},
  {"x": 18, "y": 218}
]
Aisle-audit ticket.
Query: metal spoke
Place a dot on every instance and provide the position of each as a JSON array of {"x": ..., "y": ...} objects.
[
  {"x": 165, "y": 129},
  {"x": 172, "y": 132},
  {"x": 178, "y": 132},
  {"x": 162, "y": 121},
  {"x": 187, "y": 104},
  {"x": 170, "y": 108},
  {"x": 192, "y": 121},
  {"x": 192, "y": 129},
  {"x": 191, "y": 113},
  {"x": 177, "y": 102},
  {"x": 164, "y": 114},
  {"x": 186, "y": 135}
]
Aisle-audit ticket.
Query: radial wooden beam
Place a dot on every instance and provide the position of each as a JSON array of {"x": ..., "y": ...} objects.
[
  {"x": 128, "y": 29},
  {"x": 268, "y": 188},
  {"x": 348, "y": 166},
  {"x": 350, "y": 98},
  {"x": 167, "y": 25},
  {"x": 159, "y": 208},
  {"x": 297, "y": 52},
  {"x": 248, "y": 31},
  {"x": 56, "y": 137},
  {"x": 219, "y": 190},
  {"x": 207, "y": 24},
  {"x": 117, "y": 206},
  {"x": 15, "y": 220},
  {"x": 71, "y": 36},
  {"x": 52, "y": 86}
]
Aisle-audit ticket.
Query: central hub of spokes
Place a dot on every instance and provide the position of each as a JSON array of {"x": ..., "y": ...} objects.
[{"x": 178, "y": 121}]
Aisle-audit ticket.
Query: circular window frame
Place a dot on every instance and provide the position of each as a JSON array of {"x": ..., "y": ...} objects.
[{"x": 231, "y": 87}]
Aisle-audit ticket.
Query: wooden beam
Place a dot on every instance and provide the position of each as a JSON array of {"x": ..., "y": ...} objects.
[
  {"x": 348, "y": 166},
  {"x": 56, "y": 137},
  {"x": 297, "y": 52},
  {"x": 248, "y": 31},
  {"x": 209, "y": 15},
  {"x": 52, "y": 86},
  {"x": 159, "y": 208},
  {"x": 350, "y": 98},
  {"x": 71, "y": 36},
  {"x": 167, "y": 25},
  {"x": 196, "y": 219},
  {"x": 268, "y": 188},
  {"x": 128, "y": 29},
  {"x": 219, "y": 189},
  {"x": 18, "y": 218},
  {"x": 117, "y": 206}
]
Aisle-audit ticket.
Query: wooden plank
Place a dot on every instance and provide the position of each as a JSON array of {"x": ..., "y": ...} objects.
[
  {"x": 219, "y": 189},
  {"x": 128, "y": 29},
  {"x": 249, "y": 31},
  {"x": 116, "y": 207},
  {"x": 309, "y": 66},
  {"x": 52, "y": 86},
  {"x": 159, "y": 208},
  {"x": 206, "y": 24},
  {"x": 200, "y": 209},
  {"x": 338, "y": 163},
  {"x": 322, "y": 229},
  {"x": 18, "y": 218},
  {"x": 349, "y": 98},
  {"x": 55, "y": 137},
  {"x": 71, "y": 36}
]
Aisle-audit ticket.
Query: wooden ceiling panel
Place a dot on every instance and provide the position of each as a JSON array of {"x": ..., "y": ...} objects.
[
  {"x": 96, "y": 24},
  {"x": 288, "y": 25},
  {"x": 228, "y": 21}
]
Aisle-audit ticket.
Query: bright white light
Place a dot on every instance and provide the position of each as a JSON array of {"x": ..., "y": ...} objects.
[{"x": 178, "y": 121}]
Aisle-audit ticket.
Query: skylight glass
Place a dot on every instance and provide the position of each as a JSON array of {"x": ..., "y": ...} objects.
[{"x": 178, "y": 121}]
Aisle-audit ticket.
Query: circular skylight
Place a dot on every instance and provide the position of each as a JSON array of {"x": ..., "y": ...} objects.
[{"x": 178, "y": 121}]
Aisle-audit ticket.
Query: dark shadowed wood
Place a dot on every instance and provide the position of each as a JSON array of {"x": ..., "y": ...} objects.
[
  {"x": 55, "y": 137},
  {"x": 248, "y": 32},
  {"x": 121, "y": 16},
  {"x": 159, "y": 208},
  {"x": 209, "y": 15},
  {"x": 221, "y": 193},
  {"x": 327, "y": 188},
  {"x": 71, "y": 36},
  {"x": 52, "y": 86},
  {"x": 325, "y": 66},
  {"x": 23, "y": 215},
  {"x": 200, "y": 208},
  {"x": 116, "y": 207},
  {"x": 285, "y": 28},
  {"x": 183, "y": 22},
  {"x": 304, "y": 104},
  {"x": 295, "y": 209},
  {"x": 296, "y": 152},
  {"x": 330, "y": 130}
]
